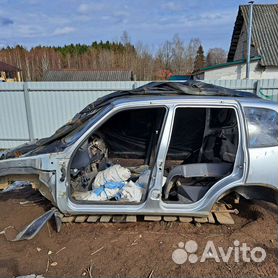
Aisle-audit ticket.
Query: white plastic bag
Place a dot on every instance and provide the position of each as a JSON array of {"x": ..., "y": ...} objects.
[
  {"x": 115, "y": 173},
  {"x": 106, "y": 192},
  {"x": 131, "y": 192}
]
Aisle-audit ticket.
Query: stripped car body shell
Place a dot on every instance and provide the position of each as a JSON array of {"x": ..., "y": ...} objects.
[{"x": 48, "y": 169}]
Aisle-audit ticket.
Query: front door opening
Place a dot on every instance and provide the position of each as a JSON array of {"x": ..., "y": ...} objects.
[
  {"x": 202, "y": 151},
  {"x": 114, "y": 164}
]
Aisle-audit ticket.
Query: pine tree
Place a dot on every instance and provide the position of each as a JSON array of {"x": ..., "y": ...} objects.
[{"x": 200, "y": 59}]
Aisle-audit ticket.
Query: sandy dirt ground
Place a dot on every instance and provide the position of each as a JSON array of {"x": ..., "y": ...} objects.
[{"x": 142, "y": 249}]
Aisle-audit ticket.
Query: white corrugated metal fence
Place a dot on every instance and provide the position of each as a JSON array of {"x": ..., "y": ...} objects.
[{"x": 36, "y": 109}]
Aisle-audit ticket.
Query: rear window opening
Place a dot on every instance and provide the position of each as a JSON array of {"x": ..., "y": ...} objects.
[
  {"x": 115, "y": 163},
  {"x": 202, "y": 151}
]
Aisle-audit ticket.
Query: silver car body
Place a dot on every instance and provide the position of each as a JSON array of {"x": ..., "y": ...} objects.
[{"x": 253, "y": 166}]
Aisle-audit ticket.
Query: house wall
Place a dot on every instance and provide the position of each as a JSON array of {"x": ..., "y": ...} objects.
[
  {"x": 241, "y": 50},
  {"x": 10, "y": 76},
  {"x": 239, "y": 72},
  {"x": 234, "y": 72},
  {"x": 270, "y": 73}
]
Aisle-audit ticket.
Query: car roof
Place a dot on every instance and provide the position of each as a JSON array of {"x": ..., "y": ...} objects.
[
  {"x": 170, "y": 89},
  {"x": 178, "y": 99},
  {"x": 190, "y": 87}
]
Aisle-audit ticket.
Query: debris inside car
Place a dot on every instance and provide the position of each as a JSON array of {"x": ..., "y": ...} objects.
[{"x": 112, "y": 183}]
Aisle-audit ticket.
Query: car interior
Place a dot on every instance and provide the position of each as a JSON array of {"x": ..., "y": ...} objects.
[
  {"x": 202, "y": 151},
  {"x": 119, "y": 153},
  {"x": 114, "y": 164}
]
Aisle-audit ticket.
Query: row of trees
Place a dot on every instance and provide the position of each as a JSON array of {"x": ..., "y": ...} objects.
[{"x": 173, "y": 57}]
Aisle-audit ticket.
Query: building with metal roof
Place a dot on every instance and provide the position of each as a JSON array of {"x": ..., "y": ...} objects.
[
  {"x": 87, "y": 75},
  {"x": 264, "y": 46},
  {"x": 264, "y": 34},
  {"x": 9, "y": 73}
]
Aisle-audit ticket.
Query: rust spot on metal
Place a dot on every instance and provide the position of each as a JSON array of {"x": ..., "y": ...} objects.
[
  {"x": 18, "y": 154},
  {"x": 78, "y": 122}
]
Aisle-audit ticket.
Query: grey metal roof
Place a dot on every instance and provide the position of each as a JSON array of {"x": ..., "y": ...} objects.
[
  {"x": 87, "y": 75},
  {"x": 7, "y": 67},
  {"x": 264, "y": 32}
]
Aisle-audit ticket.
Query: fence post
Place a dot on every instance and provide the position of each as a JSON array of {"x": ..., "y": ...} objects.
[
  {"x": 258, "y": 87},
  {"x": 28, "y": 111},
  {"x": 134, "y": 85}
]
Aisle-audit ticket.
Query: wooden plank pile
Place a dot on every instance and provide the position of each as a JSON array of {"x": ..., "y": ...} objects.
[{"x": 220, "y": 214}]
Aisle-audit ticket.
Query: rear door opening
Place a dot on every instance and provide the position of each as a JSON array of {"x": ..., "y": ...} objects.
[{"x": 202, "y": 151}]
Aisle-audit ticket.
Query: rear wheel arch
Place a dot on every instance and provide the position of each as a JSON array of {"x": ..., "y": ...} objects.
[{"x": 253, "y": 192}]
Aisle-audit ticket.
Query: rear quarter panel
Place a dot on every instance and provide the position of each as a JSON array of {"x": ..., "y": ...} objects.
[
  {"x": 263, "y": 161},
  {"x": 263, "y": 166}
]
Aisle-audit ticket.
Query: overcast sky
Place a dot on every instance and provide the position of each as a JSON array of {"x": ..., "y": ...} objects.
[{"x": 59, "y": 22}]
